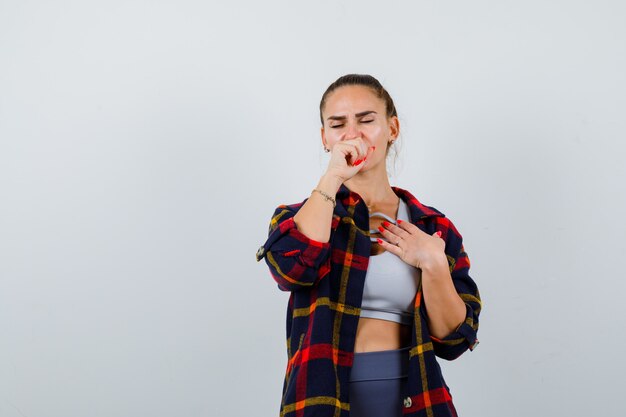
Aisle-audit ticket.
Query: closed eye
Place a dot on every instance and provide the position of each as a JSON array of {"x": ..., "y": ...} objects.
[{"x": 341, "y": 125}]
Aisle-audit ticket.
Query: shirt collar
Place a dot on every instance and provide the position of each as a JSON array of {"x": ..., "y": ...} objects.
[{"x": 416, "y": 208}]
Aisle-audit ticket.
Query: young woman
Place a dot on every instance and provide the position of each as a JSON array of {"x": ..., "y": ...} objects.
[{"x": 379, "y": 281}]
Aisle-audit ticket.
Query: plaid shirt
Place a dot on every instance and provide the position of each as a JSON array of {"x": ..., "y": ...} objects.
[{"x": 326, "y": 284}]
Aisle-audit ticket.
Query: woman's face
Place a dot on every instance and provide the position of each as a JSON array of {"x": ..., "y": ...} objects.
[{"x": 355, "y": 111}]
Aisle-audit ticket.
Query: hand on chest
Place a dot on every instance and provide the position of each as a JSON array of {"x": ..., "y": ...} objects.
[{"x": 379, "y": 213}]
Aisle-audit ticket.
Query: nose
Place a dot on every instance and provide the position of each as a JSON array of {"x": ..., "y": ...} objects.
[{"x": 352, "y": 130}]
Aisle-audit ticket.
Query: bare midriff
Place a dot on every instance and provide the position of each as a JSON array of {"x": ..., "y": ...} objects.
[{"x": 376, "y": 334}]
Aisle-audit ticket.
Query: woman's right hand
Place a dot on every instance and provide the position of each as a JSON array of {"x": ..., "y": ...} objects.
[{"x": 345, "y": 156}]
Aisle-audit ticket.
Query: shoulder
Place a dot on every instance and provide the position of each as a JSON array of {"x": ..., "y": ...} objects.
[
  {"x": 418, "y": 209},
  {"x": 429, "y": 214}
]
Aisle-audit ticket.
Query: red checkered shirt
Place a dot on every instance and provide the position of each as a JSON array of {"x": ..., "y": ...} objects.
[{"x": 326, "y": 279}]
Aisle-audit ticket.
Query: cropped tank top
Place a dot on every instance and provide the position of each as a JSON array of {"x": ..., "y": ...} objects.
[{"x": 390, "y": 283}]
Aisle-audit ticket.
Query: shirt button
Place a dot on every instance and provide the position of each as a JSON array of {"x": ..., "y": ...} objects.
[
  {"x": 408, "y": 402},
  {"x": 260, "y": 253}
]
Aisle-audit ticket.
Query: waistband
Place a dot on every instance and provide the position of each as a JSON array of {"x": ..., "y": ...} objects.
[{"x": 380, "y": 365}]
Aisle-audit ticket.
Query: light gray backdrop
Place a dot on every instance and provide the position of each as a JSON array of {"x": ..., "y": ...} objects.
[{"x": 145, "y": 144}]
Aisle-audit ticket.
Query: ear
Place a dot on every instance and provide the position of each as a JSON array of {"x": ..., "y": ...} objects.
[
  {"x": 323, "y": 134},
  {"x": 394, "y": 127}
]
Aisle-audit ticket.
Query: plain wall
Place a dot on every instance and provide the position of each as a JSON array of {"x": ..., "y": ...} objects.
[{"x": 145, "y": 144}]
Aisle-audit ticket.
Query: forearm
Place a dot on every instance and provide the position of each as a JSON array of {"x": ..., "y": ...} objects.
[
  {"x": 315, "y": 217},
  {"x": 446, "y": 310}
]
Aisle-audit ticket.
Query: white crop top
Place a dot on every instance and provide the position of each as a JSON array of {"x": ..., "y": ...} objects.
[{"x": 390, "y": 283}]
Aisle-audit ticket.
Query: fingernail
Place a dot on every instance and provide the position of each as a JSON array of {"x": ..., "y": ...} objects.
[
  {"x": 399, "y": 221},
  {"x": 381, "y": 228},
  {"x": 380, "y": 241},
  {"x": 386, "y": 223},
  {"x": 438, "y": 233},
  {"x": 357, "y": 162}
]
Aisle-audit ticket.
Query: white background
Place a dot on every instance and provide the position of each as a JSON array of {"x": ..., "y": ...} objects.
[{"x": 145, "y": 144}]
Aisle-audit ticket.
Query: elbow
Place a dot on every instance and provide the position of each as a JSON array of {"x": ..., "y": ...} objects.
[
  {"x": 449, "y": 353},
  {"x": 290, "y": 287},
  {"x": 294, "y": 274},
  {"x": 464, "y": 338},
  {"x": 452, "y": 349}
]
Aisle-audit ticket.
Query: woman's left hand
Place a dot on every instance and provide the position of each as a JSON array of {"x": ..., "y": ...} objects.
[{"x": 412, "y": 245}]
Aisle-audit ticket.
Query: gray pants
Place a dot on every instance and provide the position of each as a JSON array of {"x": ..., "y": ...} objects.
[{"x": 377, "y": 381}]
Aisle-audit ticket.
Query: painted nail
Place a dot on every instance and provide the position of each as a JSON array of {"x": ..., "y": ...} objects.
[
  {"x": 438, "y": 233},
  {"x": 380, "y": 241},
  {"x": 357, "y": 162},
  {"x": 399, "y": 221},
  {"x": 381, "y": 228},
  {"x": 386, "y": 223}
]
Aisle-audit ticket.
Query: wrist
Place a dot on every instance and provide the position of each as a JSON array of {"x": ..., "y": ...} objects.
[
  {"x": 435, "y": 264},
  {"x": 330, "y": 184}
]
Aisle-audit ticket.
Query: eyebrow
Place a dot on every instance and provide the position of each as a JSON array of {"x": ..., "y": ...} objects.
[{"x": 363, "y": 113}]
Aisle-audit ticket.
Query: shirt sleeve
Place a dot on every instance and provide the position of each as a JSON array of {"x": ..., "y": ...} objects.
[
  {"x": 465, "y": 336},
  {"x": 295, "y": 261}
]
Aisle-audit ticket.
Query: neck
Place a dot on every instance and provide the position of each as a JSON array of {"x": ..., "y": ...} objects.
[{"x": 373, "y": 185}]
